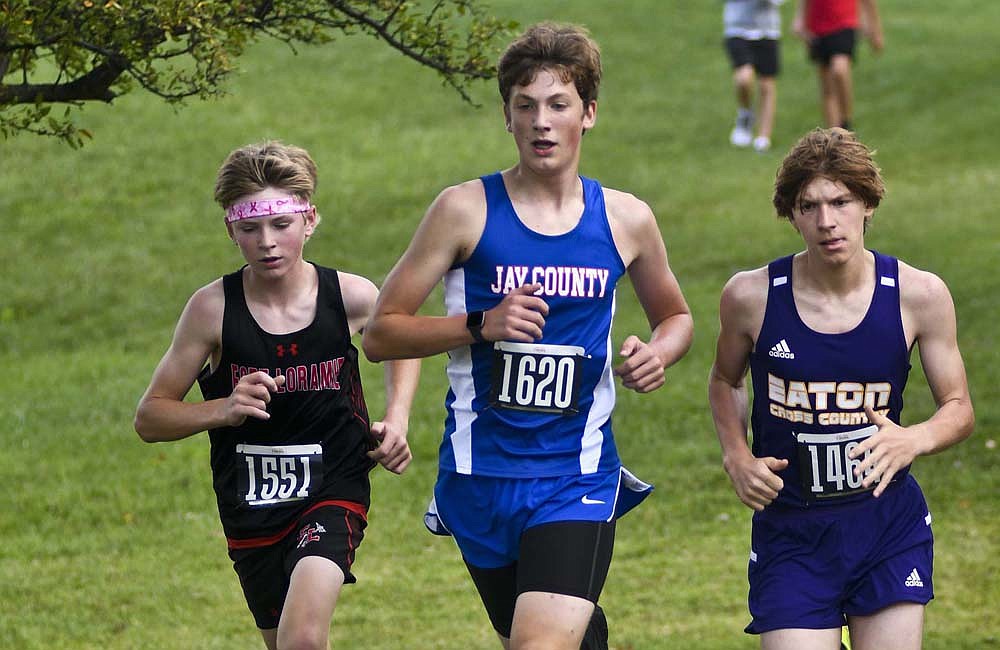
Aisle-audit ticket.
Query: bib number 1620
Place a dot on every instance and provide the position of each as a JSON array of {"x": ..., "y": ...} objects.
[{"x": 534, "y": 377}]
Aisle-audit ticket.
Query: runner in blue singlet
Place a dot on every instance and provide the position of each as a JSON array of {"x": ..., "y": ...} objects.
[{"x": 530, "y": 483}]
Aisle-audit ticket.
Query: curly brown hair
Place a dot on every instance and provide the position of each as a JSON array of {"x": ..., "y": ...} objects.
[
  {"x": 835, "y": 154},
  {"x": 566, "y": 50}
]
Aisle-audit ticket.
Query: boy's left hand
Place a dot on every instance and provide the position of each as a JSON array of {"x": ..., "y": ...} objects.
[
  {"x": 393, "y": 452},
  {"x": 642, "y": 370},
  {"x": 891, "y": 449}
]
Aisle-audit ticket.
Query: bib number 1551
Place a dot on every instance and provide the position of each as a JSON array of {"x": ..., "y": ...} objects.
[{"x": 274, "y": 475}]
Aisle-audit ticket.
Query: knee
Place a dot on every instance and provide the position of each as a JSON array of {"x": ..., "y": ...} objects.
[
  {"x": 304, "y": 638},
  {"x": 743, "y": 76},
  {"x": 540, "y": 644},
  {"x": 543, "y": 642},
  {"x": 840, "y": 66}
]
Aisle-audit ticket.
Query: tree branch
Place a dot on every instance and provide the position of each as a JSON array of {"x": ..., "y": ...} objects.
[
  {"x": 95, "y": 85},
  {"x": 397, "y": 44}
]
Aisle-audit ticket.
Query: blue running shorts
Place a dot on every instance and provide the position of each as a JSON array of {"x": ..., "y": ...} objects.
[{"x": 487, "y": 515}]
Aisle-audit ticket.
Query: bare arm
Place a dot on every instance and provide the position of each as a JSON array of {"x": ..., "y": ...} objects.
[
  {"x": 401, "y": 377},
  {"x": 871, "y": 24},
  {"x": 741, "y": 313},
  {"x": 162, "y": 413},
  {"x": 642, "y": 249},
  {"x": 448, "y": 234},
  {"x": 799, "y": 22},
  {"x": 929, "y": 313},
  {"x": 395, "y": 331}
]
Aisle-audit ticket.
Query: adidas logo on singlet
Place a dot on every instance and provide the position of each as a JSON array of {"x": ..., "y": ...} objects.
[
  {"x": 913, "y": 580},
  {"x": 780, "y": 350}
]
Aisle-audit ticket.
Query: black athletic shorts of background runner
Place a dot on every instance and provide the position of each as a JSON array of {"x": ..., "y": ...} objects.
[
  {"x": 823, "y": 48},
  {"x": 762, "y": 54},
  {"x": 265, "y": 571}
]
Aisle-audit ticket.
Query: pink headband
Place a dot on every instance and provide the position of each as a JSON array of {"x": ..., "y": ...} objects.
[{"x": 266, "y": 208}]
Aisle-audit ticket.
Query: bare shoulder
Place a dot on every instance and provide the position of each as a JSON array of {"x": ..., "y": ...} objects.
[
  {"x": 633, "y": 226},
  {"x": 357, "y": 291},
  {"x": 744, "y": 299},
  {"x": 925, "y": 302},
  {"x": 207, "y": 303},
  {"x": 201, "y": 322},
  {"x": 454, "y": 222},
  {"x": 920, "y": 289},
  {"x": 359, "y": 295},
  {"x": 455, "y": 204},
  {"x": 628, "y": 210}
]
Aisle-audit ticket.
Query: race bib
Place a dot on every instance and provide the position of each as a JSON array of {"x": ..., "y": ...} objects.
[
  {"x": 275, "y": 475},
  {"x": 534, "y": 377},
  {"x": 825, "y": 469}
]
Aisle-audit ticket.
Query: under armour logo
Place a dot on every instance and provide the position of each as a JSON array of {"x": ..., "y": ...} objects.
[{"x": 292, "y": 349}]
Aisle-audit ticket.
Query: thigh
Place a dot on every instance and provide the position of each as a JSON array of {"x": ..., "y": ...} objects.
[
  {"x": 485, "y": 515},
  {"x": 270, "y": 637},
  {"x": 796, "y": 574},
  {"x": 264, "y": 582},
  {"x": 549, "y": 620},
  {"x": 561, "y": 558},
  {"x": 766, "y": 57},
  {"x": 796, "y": 639},
  {"x": 896, "y": 557},
  {"x": 842, "y": 42},
  {"x": 313, "y": 591},
  {"x": 824, "y": 48},
  {"x": 817, "y": 51},
  {"x": 331, "y": 532},
  {"x": 739, "y": 51},
  {"x": 898, "y": 626},
  {"x": 571, "y": 558},
  {"x": 497, "y": 589}
]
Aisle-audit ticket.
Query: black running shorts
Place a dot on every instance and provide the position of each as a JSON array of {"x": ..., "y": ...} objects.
[
  {"x": 330, "y": 531},
  {"x": 565, "y": 557},
  {"x": 823, "y": 48},
  {"x": 762, "y": 54}
]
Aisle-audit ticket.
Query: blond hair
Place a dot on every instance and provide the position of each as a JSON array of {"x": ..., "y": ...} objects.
[{"x": 256, "y": 167}]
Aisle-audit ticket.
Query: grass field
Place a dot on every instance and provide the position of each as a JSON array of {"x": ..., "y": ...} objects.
[{"x": 106, "y": 542}]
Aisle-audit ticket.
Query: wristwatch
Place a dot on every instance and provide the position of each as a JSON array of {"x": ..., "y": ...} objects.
[{"x": 474, "y": 322}]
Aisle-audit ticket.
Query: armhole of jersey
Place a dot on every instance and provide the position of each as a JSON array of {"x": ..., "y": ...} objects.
[
  {"x": 779, "y": 274},
  {"x": 486, "y": 182},
  {"x": 335, "y": 299},
  {"x": 230, "y": 291},
  {"x": 887, "y": 292},
  {"x": 596, "y": 190}
]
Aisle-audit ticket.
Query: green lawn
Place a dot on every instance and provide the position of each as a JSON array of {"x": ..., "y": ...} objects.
[{"x": 106, "y": 542}]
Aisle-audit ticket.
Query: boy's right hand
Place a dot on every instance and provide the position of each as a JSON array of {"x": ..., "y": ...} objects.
[
  {"x": 251, "y": 397},
  {"x": 756, "y": 480},
  {"x": 520, "y": 316}
]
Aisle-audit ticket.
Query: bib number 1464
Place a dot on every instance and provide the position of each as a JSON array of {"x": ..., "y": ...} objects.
[{"x": 826, "y": 470}]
